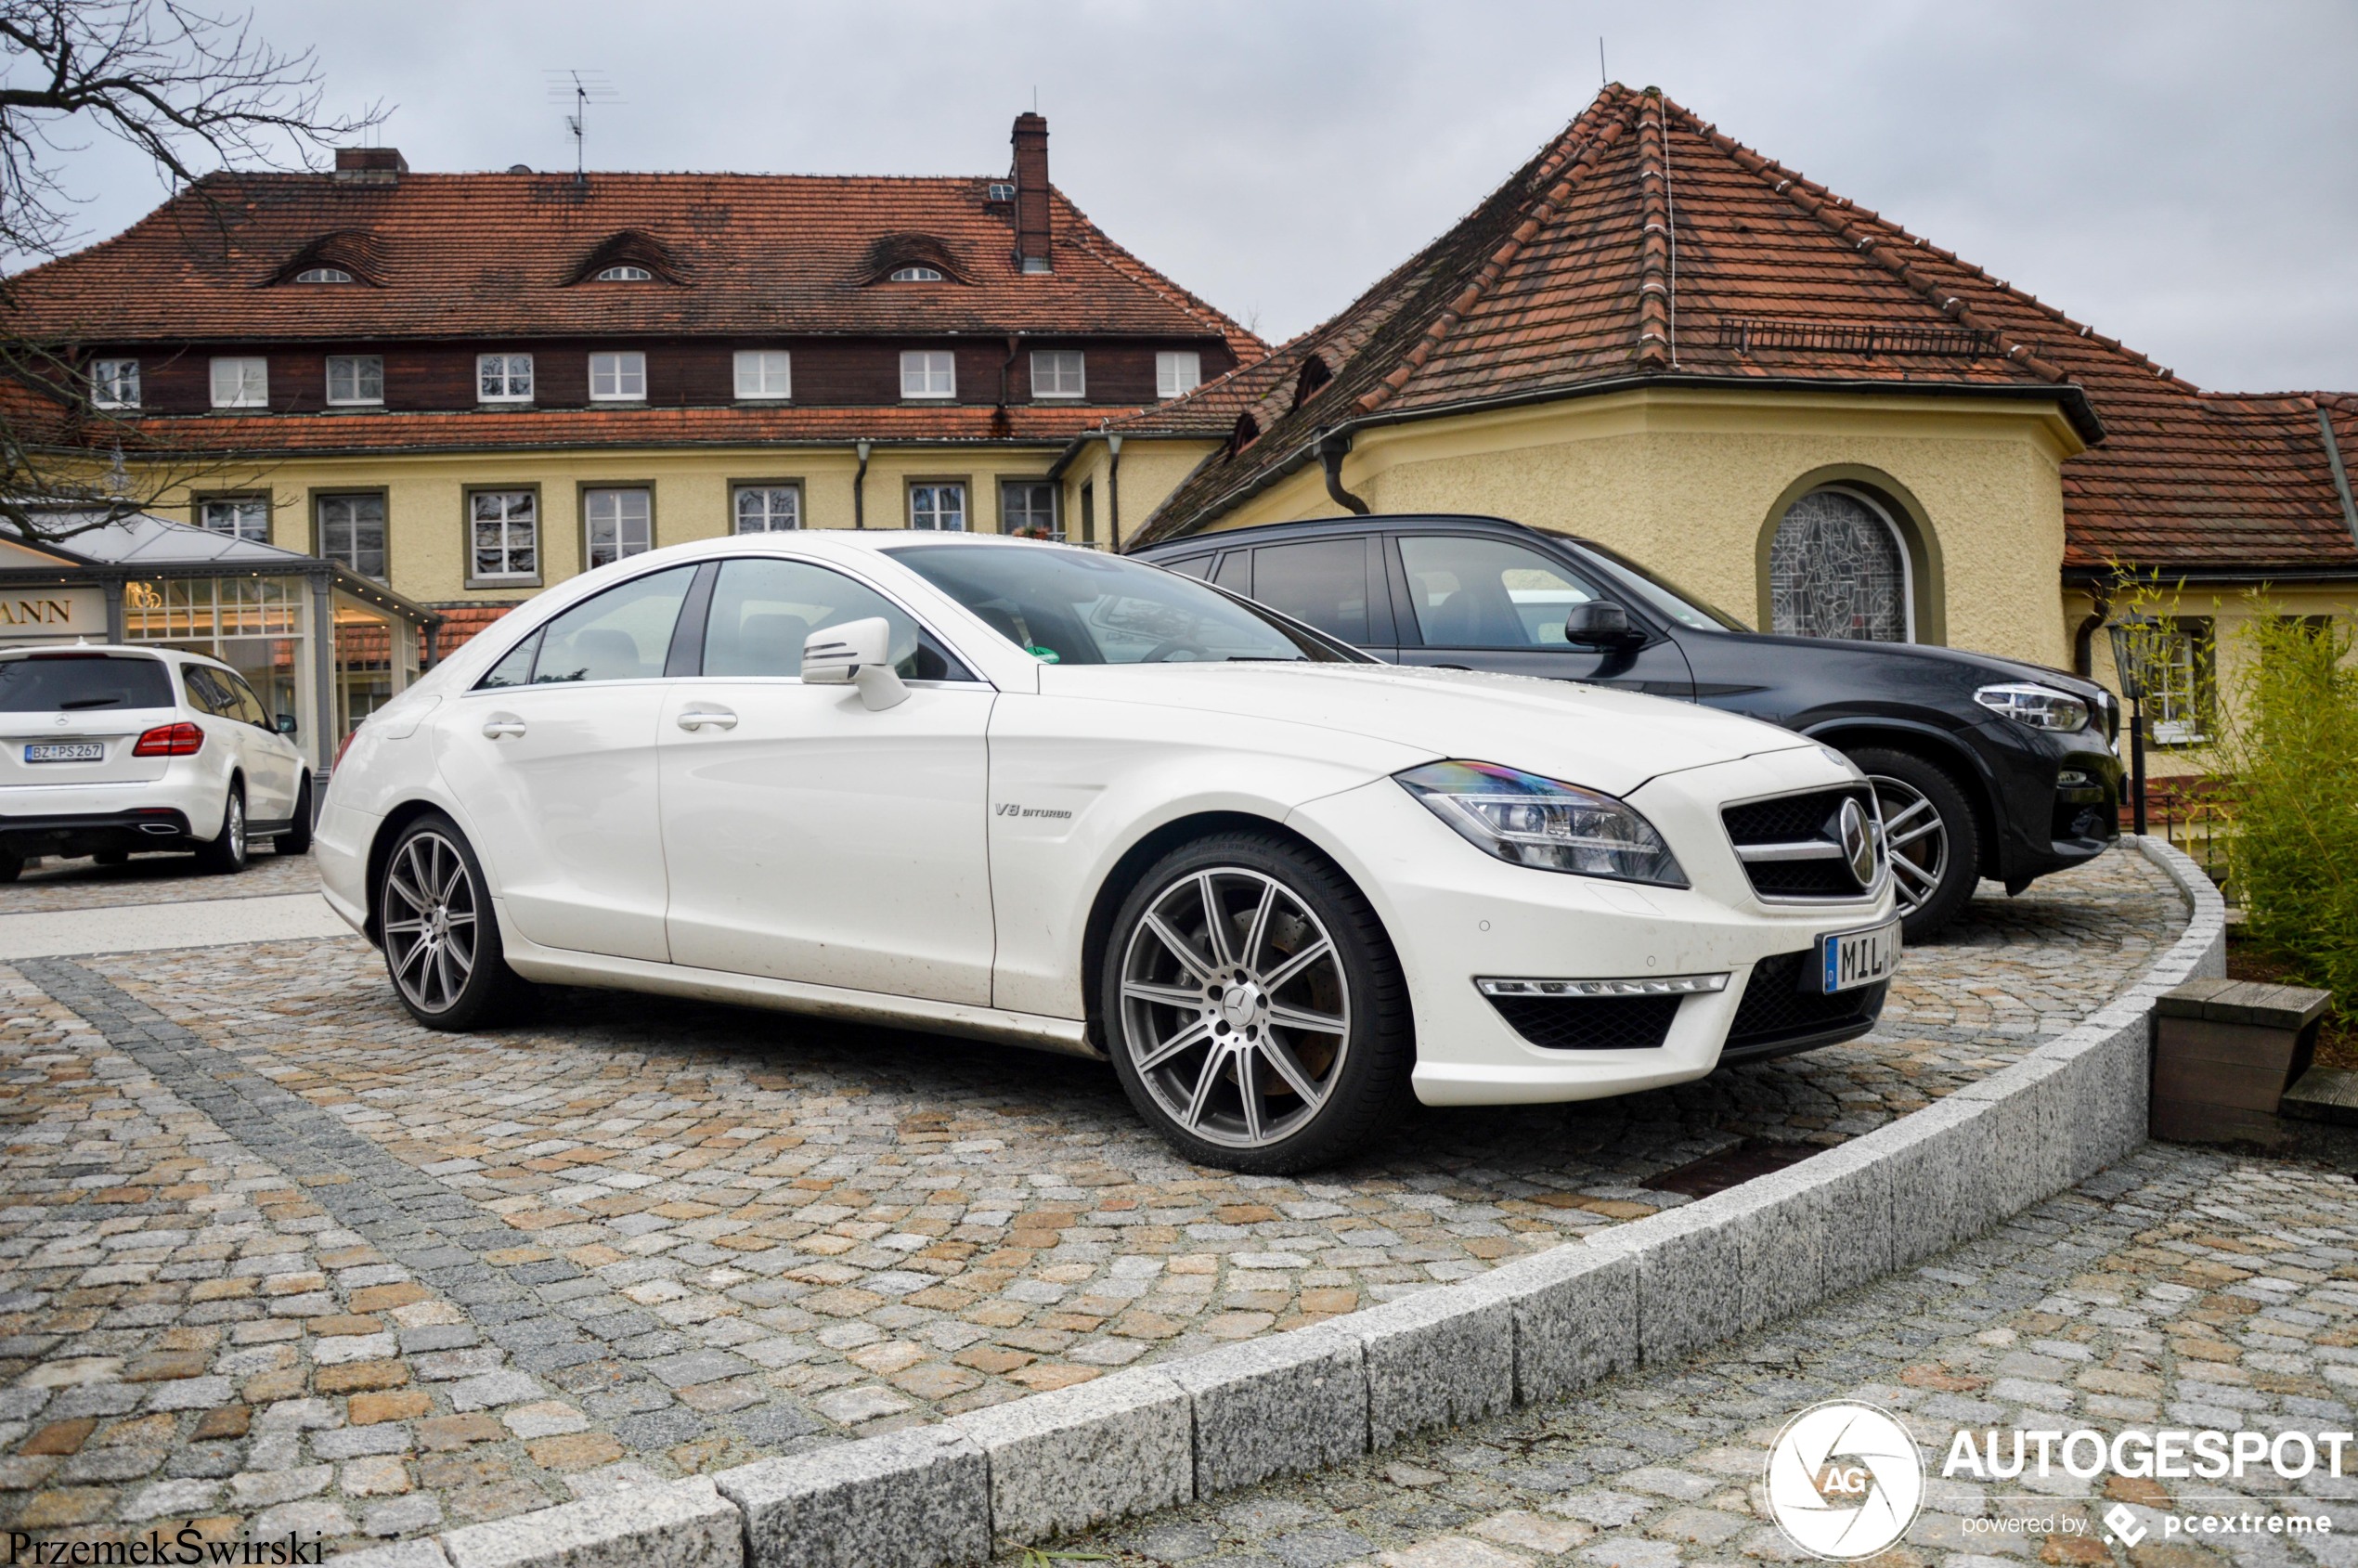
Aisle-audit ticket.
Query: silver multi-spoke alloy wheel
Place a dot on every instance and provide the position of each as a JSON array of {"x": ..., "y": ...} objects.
[
  {"x": 233, "y": 829},
  {"x": 1235, "y": 1007},
  {"x": 429, "y": 919},
  {"x": 1916, "y": 837}
]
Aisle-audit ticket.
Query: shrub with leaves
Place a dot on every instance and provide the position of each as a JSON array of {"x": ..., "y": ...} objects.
[{"x": 2290, "y": 747}]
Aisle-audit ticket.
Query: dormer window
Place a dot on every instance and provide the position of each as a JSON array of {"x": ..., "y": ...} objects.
[
  {"x": 625, "y": 275},
  {"x": 630, "y": 255},
  {"x": 1000, "y": 190},
  {"x": 323, "y": 275},
  {"x": 916, "y": 275},
  {"x": 346, "y": 256}
]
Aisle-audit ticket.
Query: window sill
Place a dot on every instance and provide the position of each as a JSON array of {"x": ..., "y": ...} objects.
[
  {"x": 503, "y": 402},
  {"x": 778, "y": 402},
  {"x": 495, "y": 584},
  {"x": 345, "y": 407},
  {"x": 929, "y": 397},
  {"x": 597, "y": 402},
  {"x": 1060, "y": 397}
]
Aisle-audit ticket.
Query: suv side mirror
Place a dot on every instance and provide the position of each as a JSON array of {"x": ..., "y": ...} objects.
[
  {"x": 855, "y": 653},
  {"x": 284, "y": 724},
  {"x": 1598, "y": 625}
]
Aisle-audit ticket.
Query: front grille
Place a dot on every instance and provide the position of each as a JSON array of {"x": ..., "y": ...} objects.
[
  {"x": 1780, "y": 1006},
  {"x": 1591, "y": 1023},
  {"x": 1792, "y": 822}
]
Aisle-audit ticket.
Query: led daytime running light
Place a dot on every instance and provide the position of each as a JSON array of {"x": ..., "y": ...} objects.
[{"x": 1669, "y": 985}]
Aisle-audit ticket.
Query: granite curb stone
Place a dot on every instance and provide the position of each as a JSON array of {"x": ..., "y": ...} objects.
[
  {"x": 1537, "y": 1328},
  {"x": 915, "y": 1498}
]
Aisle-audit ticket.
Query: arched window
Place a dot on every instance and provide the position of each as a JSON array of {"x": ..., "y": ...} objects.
[
  {"x": 625, "y": 275},
  {"x": 1837, "y": 567},
  {"x": 323, "y": 275},
  {"x": 916, "y": 275}
]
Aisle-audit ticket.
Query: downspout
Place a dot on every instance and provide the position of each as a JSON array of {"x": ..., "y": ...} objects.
[
  {"x": 1113, "y": 495},
  {"x": 860, "y": 489},
  {"x": 1014, "y": 344},
  {"x": 1332, "y": 449},
  {"x": 2341, "y": 475},
  {"x": 2083, "y": 637}
]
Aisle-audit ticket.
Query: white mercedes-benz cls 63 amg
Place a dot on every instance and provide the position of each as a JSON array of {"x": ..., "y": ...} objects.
[{"x": 1026, "y": 793}]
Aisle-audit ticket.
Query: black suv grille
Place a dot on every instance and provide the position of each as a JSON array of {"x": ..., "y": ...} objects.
[
  {"x": 1792, "y": 819},
  {"x": 1591, "y": 1023},
  {"x": 1779, "y": 1008}
]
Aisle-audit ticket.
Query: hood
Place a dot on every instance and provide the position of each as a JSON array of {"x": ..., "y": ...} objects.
[{"x": 1589, "y": 735}]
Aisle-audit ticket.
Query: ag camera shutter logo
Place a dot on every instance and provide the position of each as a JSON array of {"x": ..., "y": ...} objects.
[{"x": 1844, "y": 1480}]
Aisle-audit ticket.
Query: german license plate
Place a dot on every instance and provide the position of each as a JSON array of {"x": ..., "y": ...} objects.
[
  {"x": 66, "y": 751},
  {"x": 1849, "y": 959}
]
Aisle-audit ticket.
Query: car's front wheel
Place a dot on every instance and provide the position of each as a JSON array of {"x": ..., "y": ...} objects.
[
  {"x": 440, "y": 936},
  {"x": 1929, "y": 828},
  {"x": 1254, "y": 1009}
]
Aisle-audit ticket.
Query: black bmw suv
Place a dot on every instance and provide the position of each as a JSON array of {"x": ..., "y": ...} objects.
[{"x": 1984, "y": 767}]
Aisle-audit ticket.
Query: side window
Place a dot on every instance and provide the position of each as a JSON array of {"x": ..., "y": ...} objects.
[
  {"x": 622, "y": 634},
  {"x": 515, "y": 668},
  {"x": 249, "y": 707},
  {"x": 762, "y": 609},
  {"x": 1196, "y": 567},
  {"x": 1324, "y": 582},
  {"x": 1488, "y": 593},
  {"x": 206, "y": 693},
  {"x": 1236, "y": 572}
]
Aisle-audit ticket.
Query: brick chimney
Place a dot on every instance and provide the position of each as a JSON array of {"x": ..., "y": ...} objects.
[
  {"x": 1030, "y": 139},
  {"x": 369, "y": 166}
]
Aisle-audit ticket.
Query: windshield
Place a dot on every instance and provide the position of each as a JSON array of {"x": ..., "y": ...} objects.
[
  {"x": 71, "y": 682},
  {"x": 1070, "y": 606},
  {"x": 1665, "y": 598}
]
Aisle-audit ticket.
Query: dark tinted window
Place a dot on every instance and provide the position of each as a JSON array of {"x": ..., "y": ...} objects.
[
  {"x": 68, "y": 682},
  {"x": 1196, "y": 567},
  {"x": 1488, "y": 593},
  {"x": 1236, "y": 572},
  {"x": 762, "y": 610},
  {"x": 622, "y": 634},
  {"x": 207, "y": 692},
  {"x": 1324, "y": 582},
  {"x": 249, "y": 707}
]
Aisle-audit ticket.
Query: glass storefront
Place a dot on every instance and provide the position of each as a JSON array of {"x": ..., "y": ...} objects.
[{"x": 256, "y": 626}]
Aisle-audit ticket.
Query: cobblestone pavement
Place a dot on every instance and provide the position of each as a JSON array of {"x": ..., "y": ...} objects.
[
  {"x": 2180, "y": 1289},
  {"x": 270, "y": 1253},
  {"x": 149, "y": 879}
]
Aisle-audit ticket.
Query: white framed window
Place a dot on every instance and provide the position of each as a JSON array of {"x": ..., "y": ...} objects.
[
  {"x": 617, "y": 378},
  {"x": 618, "y": 524},
  {"x": 768, "y": 509},
  {"x": 503, "y": 378},
  {"x": 929, "y": 373},
  {"x": 241, "y": 383},
  {"x": 1029, "y": 507},
  {"x": 765, "y": 374},
  {"x": 323, "y": 275},
  {"x": 2179, "y": 704},
  {"x": 114, "y": 384},
  {"x": 625, "y": 273},
  {"x": 352, "y": 531},
  {"x": 504, "y": 536},
  {"x": 934, "y": 505},
  {"x": 240, "y": 517},
  {"x": 1059, "y": 372},
  {"x": 1177, "y": 372},
  {"x": 356, "y": 378},
  {"x": 916, "y": 275}
]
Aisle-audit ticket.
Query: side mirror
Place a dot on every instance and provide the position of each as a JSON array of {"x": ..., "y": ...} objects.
[
  {"x": 1597, "y": 625},
  {"x": 284, "y": 724},
  {"x": 855, "y": 653}
]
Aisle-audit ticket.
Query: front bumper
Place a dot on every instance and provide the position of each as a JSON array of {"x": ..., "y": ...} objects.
[
  {"x": 1457, "y": 915},
  {"x": 2050, "y": 819}
]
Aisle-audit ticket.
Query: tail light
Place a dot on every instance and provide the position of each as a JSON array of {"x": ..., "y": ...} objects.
[
  {"x": 170, "y": 740},
  {"x": 342, "y": 747}
]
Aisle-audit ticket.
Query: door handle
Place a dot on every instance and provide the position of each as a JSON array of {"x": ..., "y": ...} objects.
[
  {"x": 697, "y": 717},
  {"x": 501, "y": 728}
]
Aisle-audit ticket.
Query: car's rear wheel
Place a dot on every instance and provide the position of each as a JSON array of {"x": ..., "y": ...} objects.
[
  {"x": 1254, "y": 1007},
  {"x": 1929, "y": 828},
  {"x": 12, "y": 865},
  {"x": 296, "y": 841},
  {"x": 441, "y": 938},
  {"x": 226, "y": 853}
]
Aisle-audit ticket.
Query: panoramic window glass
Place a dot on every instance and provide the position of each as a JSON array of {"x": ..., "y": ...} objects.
[{"x": 1072, "y": 606}]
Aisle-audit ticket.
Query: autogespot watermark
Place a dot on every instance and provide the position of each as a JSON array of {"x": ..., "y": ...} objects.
[{"x": 1846, "y": 1480}]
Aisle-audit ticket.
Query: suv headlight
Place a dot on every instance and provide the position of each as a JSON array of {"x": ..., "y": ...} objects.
[
  {"x": 2041, "y": 707},
  {"x": 1534, "y": 821}
]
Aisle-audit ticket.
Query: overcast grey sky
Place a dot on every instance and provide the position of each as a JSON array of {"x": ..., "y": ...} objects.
[{"x": 2182, "y": 176}]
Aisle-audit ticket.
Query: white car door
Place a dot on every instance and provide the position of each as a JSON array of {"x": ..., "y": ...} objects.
[
  {"x": 552, "y": 758},
  {"x": 274, "y": 768},
  {"x": 809, "y": 838}
]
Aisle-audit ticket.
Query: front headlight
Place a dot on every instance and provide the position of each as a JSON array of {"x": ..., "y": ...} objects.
[
  {"x": 2041, "y": 707},
  {"x": 1535, "y": 822}
]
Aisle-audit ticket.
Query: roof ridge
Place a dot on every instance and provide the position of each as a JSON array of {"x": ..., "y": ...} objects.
[
  {"x": 1834, "y": 214},
  {"x": 1592, "y": 143},
  {"x": 1653, "y": 346}
]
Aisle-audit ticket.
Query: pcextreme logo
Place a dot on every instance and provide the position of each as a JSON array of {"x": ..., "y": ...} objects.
[{"x": 1844, "y": 1481}]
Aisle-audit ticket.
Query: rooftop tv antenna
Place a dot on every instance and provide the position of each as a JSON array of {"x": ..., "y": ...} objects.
[{"x": 581, "y": 88}]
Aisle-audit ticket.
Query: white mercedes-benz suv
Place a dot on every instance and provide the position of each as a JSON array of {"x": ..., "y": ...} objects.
[
  {"x": 1034, "y": 793},
  {"x": 108, "y": 750}
]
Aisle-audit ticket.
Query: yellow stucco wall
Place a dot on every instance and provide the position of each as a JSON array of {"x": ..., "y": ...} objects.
[
  {"x": 425, "y": 514},
  {"x": 1688, "y": 480}
]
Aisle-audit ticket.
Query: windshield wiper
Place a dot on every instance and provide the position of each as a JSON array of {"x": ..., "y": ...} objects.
[{"x": 90, "y": 701}]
